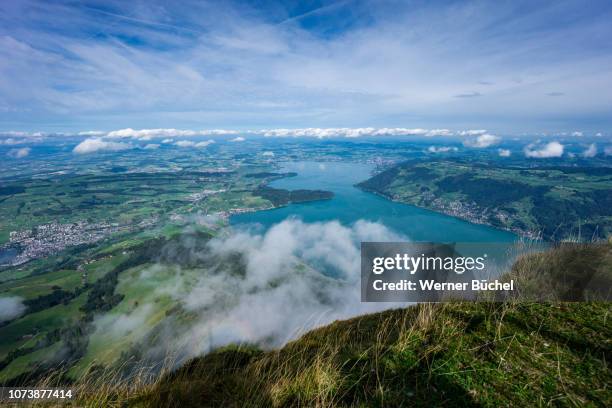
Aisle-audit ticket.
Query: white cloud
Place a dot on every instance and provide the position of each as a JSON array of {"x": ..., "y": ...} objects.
[
  {"x": 577, "y": 134},
  {"x": 17, "y": 137},
  {"x": 148, "y": 134},
  {"x": 11, "y": 307},
  {"x": 92, "y": 133},
  {"x": 551, "y": 149},
  {"x": 19, "y": 153},
  {"x": 120, "y": 325},
  {"x": 96, "y": 144},
  {"x": 482, "y": 141},
  {"x": 12, "y": 141},
  {"x": 504, "y": 152},
  {"x": 323, "y": 133},
  {"x": 190, "y": 143},
  {"x": 217, "y": 132},
  {"x": 185, "y": 143},
  {"x": 268, "y": 154},
  {"x": 471, "y": 132},
  {"x": 15, "y": 133},
  {"x": 205, "y": 143},
  {"x": 166, "y": 141},
  {"x": 441, "y": 149},
  {"x": 590, "y": 151},
  {"x": 319, "y": 133},
  {"x": 274, "y": 302},
  {"x": 277, "y": 296},
  {"x": 152, "y": 146},
  {"x": 366, "y": 72}
]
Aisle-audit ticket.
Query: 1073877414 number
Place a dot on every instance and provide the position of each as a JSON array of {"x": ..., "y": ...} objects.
[{"x": 15, "y": 394}]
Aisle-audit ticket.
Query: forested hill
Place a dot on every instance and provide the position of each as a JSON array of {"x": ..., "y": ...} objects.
[{"x": 554, "y": 202}]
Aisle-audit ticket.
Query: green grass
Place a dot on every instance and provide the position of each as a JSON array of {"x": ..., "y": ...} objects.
[
  {"x": 463, "y": 354},
  {"x": 28, "y": 362},
  {"x": 557, "y": 202},
  {"x": 124, "y": 198},
  {"x": 37, "y": 324},
  {"x": 32, "y": 286},
  {"x": 144, "y": 306},
  {"x": 15, "y": 273},
  {"x": 38, "y": 285}
]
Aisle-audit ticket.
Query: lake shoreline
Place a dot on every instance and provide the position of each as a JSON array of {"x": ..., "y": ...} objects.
[
  {"x": 441, "y": 210},
  {"x": 350, "y": 204}
]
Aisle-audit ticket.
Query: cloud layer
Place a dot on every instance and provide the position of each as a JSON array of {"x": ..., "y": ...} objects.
[
  {"x": 294, "y": 64},
  {"x": 441, "y": 149},
  {"x": 590, "y": 151},
  {"x": 19, "y": 153},
  {"x": 482, "y": 141},
  {"x": 191, "y": 143},
  {"x": 148, "y": 134},
  {"x": 97, "y": 145},
  {"x": 548, "y": 150},
  {"x": 169, "y": 134},
  {"x": 281, "y": 293},
  {"x": 11, "y": 307}
]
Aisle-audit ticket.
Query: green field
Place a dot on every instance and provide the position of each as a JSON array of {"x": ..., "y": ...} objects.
[
  {"x": 77, "y": 295},
  {"x": 553, "y": 202}
]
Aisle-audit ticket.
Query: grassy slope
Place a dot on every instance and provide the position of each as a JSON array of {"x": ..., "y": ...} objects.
[
  {"x": 459, "y": 354},
  {"x": 515, "y": 353},
  {"x": 452, "y": 355},
  {"x": 556, "y": 201}
]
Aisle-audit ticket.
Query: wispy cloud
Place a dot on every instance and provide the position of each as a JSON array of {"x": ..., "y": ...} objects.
[
  {"x": 276, "y": 298},
  {"x": 148, "y": 134},
  {"x": 191, "y": 143},
  {"x": 441, "y": 149},
  {"x": 19, "y": 153},
  {"x": 468, "y": 95},
  {"x": 472, "y": 132},
  {"x": 207, "y": 65},
  {"x": 590, "y": 151},
  {"x": 548, "y": 150},
  {"x": 91, "y": 133},
  {"x": 11, "y": 307},
  {"x": 12, "y": 141},
  {"x": 93, "y": 145},
  {"x": 482, "y": 141},
  {"x": 323, "y": 133}
]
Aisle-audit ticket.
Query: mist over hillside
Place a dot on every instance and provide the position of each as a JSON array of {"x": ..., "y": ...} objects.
[{"x": 246, "y": 287}]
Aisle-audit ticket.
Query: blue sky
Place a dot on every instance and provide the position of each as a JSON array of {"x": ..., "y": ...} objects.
[{"x": 511, "y": 67}]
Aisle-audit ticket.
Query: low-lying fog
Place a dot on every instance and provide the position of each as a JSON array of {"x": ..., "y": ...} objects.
[{"x": 263, "y": 288}]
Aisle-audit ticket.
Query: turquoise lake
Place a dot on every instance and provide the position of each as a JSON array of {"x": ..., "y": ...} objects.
[{"x": 351, "y": 204}]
